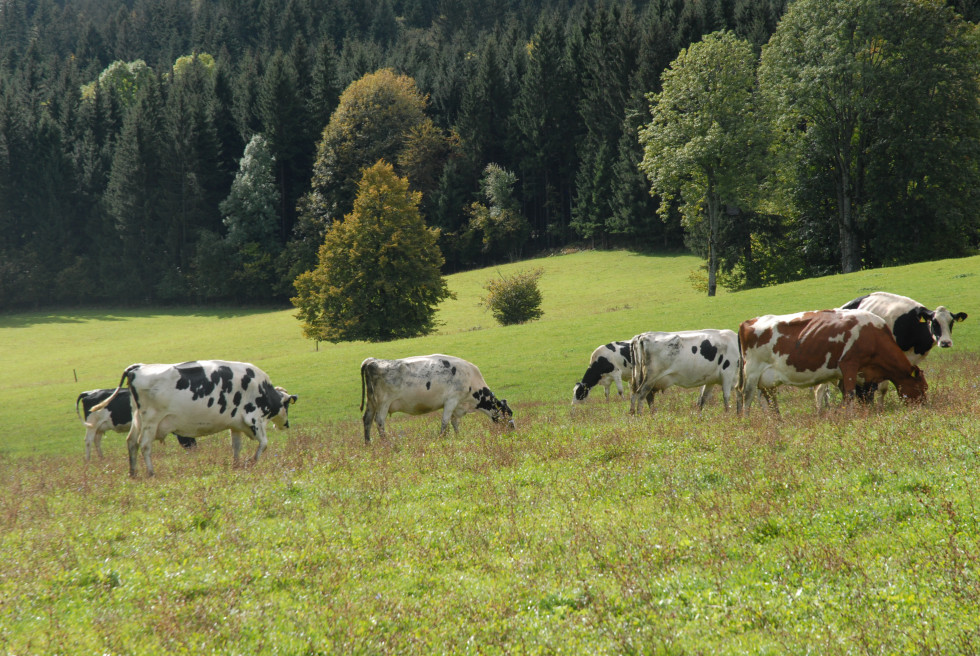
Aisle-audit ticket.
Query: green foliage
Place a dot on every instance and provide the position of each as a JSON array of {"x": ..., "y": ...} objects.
[
  {"x": 378, "y": 275},
  {"x": 865, "y": 94},
  {"x": 705, "y": 141},
  {"x": 250, "y": 209},
  {"x": 516, "y": 299},
  {"x": 502, "y": 227},
  {"x": 374, "y": 118},
  {"x": 122, "y": 79}
]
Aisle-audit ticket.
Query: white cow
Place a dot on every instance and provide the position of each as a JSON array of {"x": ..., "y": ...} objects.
[
  {"x": 117, "y": 416},
  {"x": 608, "y": 364},
  {"x": 201, "y": 398},
  {"x": 916, "y": 330},
  {"x": 423, "y": 384},
  {"x": 689, "y": 358}
]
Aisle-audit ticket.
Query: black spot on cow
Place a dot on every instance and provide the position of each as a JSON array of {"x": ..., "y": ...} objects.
[
  {"x": 247, "y": 378},
  {"x": 911, "y": 333},
  {"x": 454, "y": 371},
  {"x": 210, "y": 402},
  {"x": 237, "y": 400},
  {"x": 855, "y": 304},
  {"x": 726, "y": 365},
  {"x": 222, "y": 404},
  {"x": 485, "y": 399},
  {"x": 428, "y": 384},
  {"x": 192, "y": 378},
  {"x": 268, "y": 399},
  {"x": 694, "y": 349},
  {"x": 708, "y": 350},
  {"x": 234, "y": 411},
  {"x": 592, "y": 375},
  {"x": 446, "y": 363},
  {"x": 249, "y": 407},
  {"x": 626, "y": 352}
]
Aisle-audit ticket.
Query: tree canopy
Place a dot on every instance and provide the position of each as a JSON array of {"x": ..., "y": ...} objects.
[{"x": 378, "y": 276}]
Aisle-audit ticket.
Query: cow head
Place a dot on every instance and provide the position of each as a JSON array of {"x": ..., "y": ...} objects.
[
  {"x": 579, "y": 393},
  {"x": 503, "y": 412},
  {"x": 913, "y": 388},
  {"x": 281, "y": 416},
  {"x": 941, "y": 325}
]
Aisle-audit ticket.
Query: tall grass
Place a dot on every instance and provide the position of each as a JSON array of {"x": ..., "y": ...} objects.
[{"x": 586, "y": 531}]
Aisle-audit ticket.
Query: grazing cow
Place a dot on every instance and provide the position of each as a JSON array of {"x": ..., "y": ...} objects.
[
  {"x": 201, "y": 398},
  {"x": 916, "y": 330},
  {"x": 423, "y": 384},
  {"x": 117, "y": 416},
  {"x": 608, "y": 365},
  {"x": 690, "y": 358},
  {"x": 810, "y": 348}
]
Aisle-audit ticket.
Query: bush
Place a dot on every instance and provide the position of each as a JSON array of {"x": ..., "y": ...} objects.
[{"x": 516, "y": 299}]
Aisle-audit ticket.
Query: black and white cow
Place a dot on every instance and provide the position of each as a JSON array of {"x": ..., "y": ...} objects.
[
  {"x": 690, "y": 358},
  {"x": 117, "y": 417},
  {"x": 608, "y": 364},
  {"x": 423, "y": 384},
  {"x": 915, "y": 328},
  {"x": 201, "y": 398}
]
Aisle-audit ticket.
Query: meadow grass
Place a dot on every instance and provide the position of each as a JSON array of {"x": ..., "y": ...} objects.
[{"x": 584, "y": 531}]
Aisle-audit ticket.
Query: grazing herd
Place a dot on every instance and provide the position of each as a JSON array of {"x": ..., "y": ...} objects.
[{"x": 861, "y": 346}]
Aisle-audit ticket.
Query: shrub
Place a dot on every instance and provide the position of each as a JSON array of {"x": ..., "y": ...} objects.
[{"x": 516, "y": 299}]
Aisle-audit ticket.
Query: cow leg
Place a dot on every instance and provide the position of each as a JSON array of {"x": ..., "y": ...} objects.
[
  {"x": 146, "y": 446},
  {"x": 618, "y": 379},
  {"x": 368, "y": 418},
  {"x": 263, "y": 440},
  {"x": 380, "y": 417},
  {"x": 606, "y": 382},
  {"x": 447, "y": 417},
  {"x": 705, "y": 396},
  {"x": 236, "y": 445},
  {"x": 769, "y": 396},
  {"x": 133, "y": 445}
]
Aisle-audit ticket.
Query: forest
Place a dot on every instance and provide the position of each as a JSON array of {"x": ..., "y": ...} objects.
[{"x": 136, "y": 138}]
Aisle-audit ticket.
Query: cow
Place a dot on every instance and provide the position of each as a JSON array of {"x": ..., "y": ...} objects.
[
  {"x": 915, "y": 328},
  {"x": 608, "y": 364},
  {"x": 200, "y": 398},
  {"x": 810, "y": 348},
  {"x": 117, "y": 416},
  {"x": 426, "y": 383},
  {"x": 690, "y": 358}
]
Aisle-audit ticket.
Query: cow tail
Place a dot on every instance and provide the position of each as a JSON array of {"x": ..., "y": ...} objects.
[
  {"x": 639, "y": 362},
  {"x": 127, "y": 376},
  {"x": 77, "y": 401}
]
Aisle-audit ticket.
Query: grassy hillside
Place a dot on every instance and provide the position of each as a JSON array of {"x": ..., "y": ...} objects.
[
  {"x": 584, "y": 531},
  {"x": 589, "y": 298}
]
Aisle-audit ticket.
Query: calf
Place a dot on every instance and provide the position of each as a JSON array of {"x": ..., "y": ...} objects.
[
  {"x": 690, "y": 358},
  {"x": 810, "y": 348},
  {"x": 423, "y": 384},
  {"x": 608, "y": 364},
  {"x": 117, "y": 416},
  {"x": 200, "y": 398}
]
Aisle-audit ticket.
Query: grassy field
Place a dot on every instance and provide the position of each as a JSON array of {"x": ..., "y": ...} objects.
[{"x": 584, "y": 531}]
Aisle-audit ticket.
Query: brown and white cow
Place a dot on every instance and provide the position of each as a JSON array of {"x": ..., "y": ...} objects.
[
  {"x": 608, "y": 364},
  {"x": 423, "y": 384},
  {"x": 117, "y": 417},
  {"x": 689, "y": 358},
  {"x": 198, "y": 398},
  {"x": 915, "y": 328},
  {"x": 810, "y": 348}
]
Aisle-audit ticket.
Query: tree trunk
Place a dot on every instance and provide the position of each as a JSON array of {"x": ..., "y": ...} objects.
[
  {"x": 850, "y": 244},
  {"x": 714, "y": 217}
]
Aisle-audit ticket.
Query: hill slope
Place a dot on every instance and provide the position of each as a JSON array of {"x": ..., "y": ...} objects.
[{"x": 589, "y": 298}]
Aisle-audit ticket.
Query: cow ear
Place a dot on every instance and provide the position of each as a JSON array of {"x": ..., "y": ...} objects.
[
  {"x": 293, "y": 398},
  {"x": 959, "y": 316},
  {"x": 915, "y": 372}
]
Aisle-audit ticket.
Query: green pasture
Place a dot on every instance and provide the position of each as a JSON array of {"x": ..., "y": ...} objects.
[
  {"x": 585, "y": 531},
  {"x": 590, "y": 298}
]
